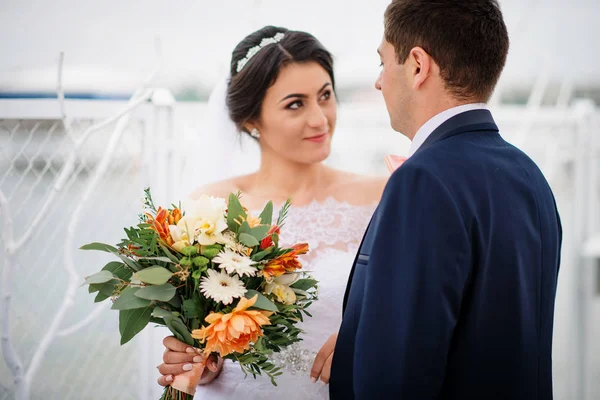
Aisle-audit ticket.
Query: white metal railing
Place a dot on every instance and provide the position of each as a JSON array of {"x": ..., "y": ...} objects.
[{"x": 60, "y": 188}]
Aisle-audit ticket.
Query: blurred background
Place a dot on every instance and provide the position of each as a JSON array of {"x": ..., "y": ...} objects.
[{"x": 74, "y": 174}]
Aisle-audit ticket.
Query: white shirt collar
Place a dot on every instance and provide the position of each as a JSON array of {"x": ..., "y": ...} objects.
[{"x": 437, "y": 120}]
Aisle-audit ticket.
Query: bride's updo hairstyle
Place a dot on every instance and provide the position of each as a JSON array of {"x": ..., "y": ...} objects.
[{"x": 256, "y": 62}]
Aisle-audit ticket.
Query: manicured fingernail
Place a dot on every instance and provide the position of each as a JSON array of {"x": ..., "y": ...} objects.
[
  {"x": 169, "y": 378},
  {"x": 188, "y": 367},
  {"x": 190, "y": 350},
  {"x": 198, "y": 359},
  {"x": 199, "y": 351},
  {"x": 313, "y": 379}
]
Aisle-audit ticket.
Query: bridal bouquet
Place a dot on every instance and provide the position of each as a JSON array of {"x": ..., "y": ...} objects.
[{"x": 216, "y": 276}]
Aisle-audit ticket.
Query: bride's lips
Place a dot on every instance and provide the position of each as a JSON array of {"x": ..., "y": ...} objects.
[{"x": 318, "y": 138}]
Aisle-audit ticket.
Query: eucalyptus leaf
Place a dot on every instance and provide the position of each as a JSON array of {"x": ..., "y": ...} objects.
[
  {"x": 119, "y": 270},
  {"x": 159, "y": 312},
  {"x": 161, "y": 292},
  {"x": 248, "y": 240},
  {"x": 106, "y": 288},
  {"x": 244, "y": 228},
  {"x": 304, "y": 284},
  {"x": 261, "y": 302},
  {"x": 259, "y": 232},
  {"x": 99, "y": 277},
  {"x": 128, "y": 300},
  {"x": 155, "y": 275},
  {"x": 131, "y": 322},
  {"x": 100, "y": 297}
]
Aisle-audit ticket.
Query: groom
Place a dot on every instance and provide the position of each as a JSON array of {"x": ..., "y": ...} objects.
[{"x": 452, "y": 291}]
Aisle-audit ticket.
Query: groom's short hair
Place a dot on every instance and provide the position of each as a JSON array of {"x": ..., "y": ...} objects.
[{"x": 467, "y": 39}]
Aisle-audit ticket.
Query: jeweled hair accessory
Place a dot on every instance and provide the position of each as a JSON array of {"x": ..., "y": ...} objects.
[{"x": 263, "y": 43}]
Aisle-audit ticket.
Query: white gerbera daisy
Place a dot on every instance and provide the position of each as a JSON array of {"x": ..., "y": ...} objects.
[
  {"x": 221, "y": 287},
  {"x": 234, "y": 262}
]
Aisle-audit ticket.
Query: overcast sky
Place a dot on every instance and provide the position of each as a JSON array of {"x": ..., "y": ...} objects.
[{"x": 110, "y": 43}]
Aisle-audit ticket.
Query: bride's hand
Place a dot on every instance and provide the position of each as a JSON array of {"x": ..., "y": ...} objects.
[
  {"x": 178, "y": 358},
  {"x": 322, "y": 365}
]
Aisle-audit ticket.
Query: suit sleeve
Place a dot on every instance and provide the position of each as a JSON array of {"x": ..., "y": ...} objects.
[{"x": 417, "y": 271}]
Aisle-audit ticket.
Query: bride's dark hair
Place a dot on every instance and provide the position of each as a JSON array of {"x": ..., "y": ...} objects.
[{"x": 247, "y": 88}]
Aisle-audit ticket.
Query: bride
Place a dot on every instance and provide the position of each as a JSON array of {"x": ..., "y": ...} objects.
[{"x": 282, "y": 93}]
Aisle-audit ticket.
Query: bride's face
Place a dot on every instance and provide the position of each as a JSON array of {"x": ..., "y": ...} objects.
[{"x": 298, "y": 114}]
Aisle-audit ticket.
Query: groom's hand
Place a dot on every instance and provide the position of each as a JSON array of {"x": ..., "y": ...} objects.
[{"x": 322, "y": 365}]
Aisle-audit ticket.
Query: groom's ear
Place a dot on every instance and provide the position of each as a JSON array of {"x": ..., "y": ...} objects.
[{"x": 420, "y": 65}]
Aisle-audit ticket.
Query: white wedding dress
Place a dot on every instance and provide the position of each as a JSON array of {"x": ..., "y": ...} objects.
[{"x": 333, "y": 230}]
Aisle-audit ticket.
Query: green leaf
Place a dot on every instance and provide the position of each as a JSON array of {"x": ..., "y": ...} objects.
[
  {"x": 153, "y": 275},
  {"x": 100, "y": 297},
  {"x": 100, "y": 247},
  {"x": 244, "y": 228},
  {"x": 119, "y": 270},
  {"x": 161, "y": 293},
  {"x": 189, "y": 251},
  {"x": 131, "y": 322},
  {"x": 211, "y": 251},
  {"x": 169, "y": 254},
  {"x": 175, "y": 302},
  {"x": 162, "y": 259},
  {"x": 234, "y": 211},
  {"x": 200, "y": 261},
  {"x": 99, "y": 277},
  {"x": 261, "y": 302},
  {"x": 266, "y": 216},
  {"x": 128, "y": 300},
  {"x": 283, "y": 212},
  {"x": 259, "y": 232},
  {"x": 159, "y": 312},
  {"x": 191, "y": 309},
  {"x": 262, "y": 254},
  {"x": 132, "y": 264},
  {"x": 105, "y": 288},
  {"x": 248, "y": 240},
  {"x": 304, "y": 284},
  {"x": 180, "y": 331}
]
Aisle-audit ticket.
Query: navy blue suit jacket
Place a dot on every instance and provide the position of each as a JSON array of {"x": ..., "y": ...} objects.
[{"x": 452, "y": 292}]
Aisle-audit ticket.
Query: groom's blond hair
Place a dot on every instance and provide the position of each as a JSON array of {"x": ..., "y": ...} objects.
[{"x": 467, "y": 39}]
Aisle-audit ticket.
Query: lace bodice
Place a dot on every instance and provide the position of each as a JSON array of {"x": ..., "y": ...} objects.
[{"x": 333, "y": 231}]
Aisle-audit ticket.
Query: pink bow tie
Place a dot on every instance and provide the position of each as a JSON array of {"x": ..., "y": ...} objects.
[{"x": 394, "y": 162}]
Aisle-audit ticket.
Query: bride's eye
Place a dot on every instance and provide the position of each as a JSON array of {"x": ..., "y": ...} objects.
[
  {"x": 326, "y": 95},
  {"x": 294, "y": 105}
]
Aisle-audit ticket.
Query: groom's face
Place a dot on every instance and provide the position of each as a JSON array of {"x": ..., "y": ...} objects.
[{"x": 394, "y": 84}]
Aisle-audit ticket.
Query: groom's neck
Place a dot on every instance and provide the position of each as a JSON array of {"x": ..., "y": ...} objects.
[{"x": 431, "y": 107}]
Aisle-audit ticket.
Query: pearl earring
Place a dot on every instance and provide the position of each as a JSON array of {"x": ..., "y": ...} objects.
[{"x": 255, "y": 133}]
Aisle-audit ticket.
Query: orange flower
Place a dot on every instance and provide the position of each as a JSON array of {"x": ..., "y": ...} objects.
[
  {"x": 268, "y": 240},
  {"x": 161, "y": 222},
  {"x": 286, "y": 263},
  {"x": 251, "y": 220},
  {"x": 233, "y": 332}
]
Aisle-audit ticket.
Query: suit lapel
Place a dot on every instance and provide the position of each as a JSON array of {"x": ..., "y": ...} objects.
[{"x": 349, "y": 284}]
